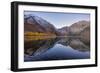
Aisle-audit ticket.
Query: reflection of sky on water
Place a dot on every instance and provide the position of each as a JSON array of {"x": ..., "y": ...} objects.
[
  {"x": 59, "y": 52},
  {"x": 68, "y": 52}
]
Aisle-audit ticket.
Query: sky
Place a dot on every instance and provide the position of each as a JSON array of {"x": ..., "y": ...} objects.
[{"x": 59, "y": 19}]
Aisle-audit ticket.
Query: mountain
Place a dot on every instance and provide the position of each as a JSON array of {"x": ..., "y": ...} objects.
[
  {"x": 85, "y": 35},
  {"x": 78, "y": 27},
  {"x": 64, "y": 31},
  {"x": 75, "y": 29},
  {"x": 33, "y": 23}
]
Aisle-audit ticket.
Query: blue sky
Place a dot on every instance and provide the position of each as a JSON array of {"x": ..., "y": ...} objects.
[{"x": 60, "y": 20}]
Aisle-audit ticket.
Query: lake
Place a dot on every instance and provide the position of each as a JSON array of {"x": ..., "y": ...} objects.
[{"x": 56, "y": 48}]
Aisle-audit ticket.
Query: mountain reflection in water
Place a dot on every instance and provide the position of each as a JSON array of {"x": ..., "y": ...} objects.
[{"x": 58, "y": 48}]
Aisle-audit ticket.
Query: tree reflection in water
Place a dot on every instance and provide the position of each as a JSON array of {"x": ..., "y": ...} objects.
[{"x": 35, "y": 48}]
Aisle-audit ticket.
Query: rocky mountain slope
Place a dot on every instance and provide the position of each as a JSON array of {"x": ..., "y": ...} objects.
[
  {"x": 33, "y": 23},
  {"x": 76, "y": 28}
]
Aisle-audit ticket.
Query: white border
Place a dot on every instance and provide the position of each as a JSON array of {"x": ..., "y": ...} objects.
[{"x": 22, "y": 64}]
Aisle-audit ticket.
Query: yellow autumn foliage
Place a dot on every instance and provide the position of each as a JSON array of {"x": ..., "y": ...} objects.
[{"x": 35, "y": 34}]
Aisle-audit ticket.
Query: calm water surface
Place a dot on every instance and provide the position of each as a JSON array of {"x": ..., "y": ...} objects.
[{"x": 59, "y": 48}]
